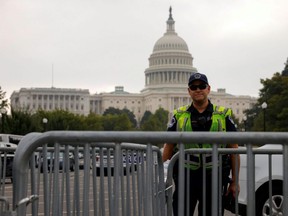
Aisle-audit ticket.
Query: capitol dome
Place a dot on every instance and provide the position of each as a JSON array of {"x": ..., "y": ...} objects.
[
  {"x": 170, "y": 41},
  {"x": 170, "y": 64}
]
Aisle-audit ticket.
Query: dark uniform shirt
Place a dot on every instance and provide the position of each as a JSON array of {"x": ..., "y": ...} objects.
[{"x": 201, "y": 121}]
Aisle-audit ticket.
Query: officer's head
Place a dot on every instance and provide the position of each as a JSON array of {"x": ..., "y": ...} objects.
[
  {"x": 198, "y": 76},
  {"x": 198, "y": 88}
]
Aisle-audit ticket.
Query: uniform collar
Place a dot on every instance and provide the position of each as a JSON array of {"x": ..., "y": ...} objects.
[{"x": 208, "y": 109}]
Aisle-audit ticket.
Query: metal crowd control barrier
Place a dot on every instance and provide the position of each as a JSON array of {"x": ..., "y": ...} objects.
[
  {"x": 6, "y": 179},
  {"x": 117, "y": 177},
  {"x": 133, "y": 186}
]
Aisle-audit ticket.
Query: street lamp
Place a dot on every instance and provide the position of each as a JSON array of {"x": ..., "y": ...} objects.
[
  {"x": 45, "y": 121},
  {"x": 3, "y": 113},
  {"x": 244, "y": 120},
  {"x": 264, "y": 107}
]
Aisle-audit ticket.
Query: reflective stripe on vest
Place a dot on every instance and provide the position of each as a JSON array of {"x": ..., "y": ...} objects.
[{"x": 184, "y": 124}]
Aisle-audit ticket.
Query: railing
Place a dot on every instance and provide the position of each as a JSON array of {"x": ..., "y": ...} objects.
[{"x": 141, "y": 191}]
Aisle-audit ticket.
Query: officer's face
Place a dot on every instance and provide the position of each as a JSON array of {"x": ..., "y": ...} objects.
[{"x": 199, "y": 91}]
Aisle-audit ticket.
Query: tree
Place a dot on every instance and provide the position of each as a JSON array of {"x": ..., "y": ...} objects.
[
  {"x": 285, "y": 71},
  {"x": 3, "y": 100},
  {"x": 3, "y": 109},
  {"x": 275, "y": 94},
  {"x": 116, "y": 122},
  {"x": 145, "y": 117},
  {"x": 112, "y": 111},
  {"x": 64, "y": 120},
  {"x": 250, "y": 115},
  {"x": 131, "y": 117},
  {"x": 157, "y": 121},
  {"x": 115, "y": 111},
  {"x": 94, "y": 122}
]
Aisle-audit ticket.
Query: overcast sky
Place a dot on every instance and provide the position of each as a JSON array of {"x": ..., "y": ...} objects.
[{"x": 100, "y": 44}]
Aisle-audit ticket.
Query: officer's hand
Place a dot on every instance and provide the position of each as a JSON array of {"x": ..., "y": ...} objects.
[{"x": 233, "y": 187}]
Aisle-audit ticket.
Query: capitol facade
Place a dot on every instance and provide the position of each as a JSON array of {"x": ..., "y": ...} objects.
[{"x": 166, "y": 78}]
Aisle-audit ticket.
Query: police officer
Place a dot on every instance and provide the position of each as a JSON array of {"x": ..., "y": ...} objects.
[{"x": 201, "y": 115}]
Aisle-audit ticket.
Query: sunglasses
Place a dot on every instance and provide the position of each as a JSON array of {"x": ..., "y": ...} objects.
[{"x": 195, "y": 87}]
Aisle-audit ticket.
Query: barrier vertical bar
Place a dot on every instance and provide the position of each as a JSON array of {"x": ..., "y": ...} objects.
[
  {"x": 204, "y": 177},
  {"x": 94, "y": 179},
  {"x": 56, "y": 190},
  {"x": 250, "y": 181},
  {"x": 149, "y": 181},
  {"x": 86, "y": 180},
  {"x": 285, "y": 179},
  {"x": 117, "y": 173},
  {"x": 270, "y": 181},
  {"x": 33, "y": 177},
  {"x": 215, "y": 179},
  {"x": 181, "y": 180},
  {"x": 76, "y": 200}
]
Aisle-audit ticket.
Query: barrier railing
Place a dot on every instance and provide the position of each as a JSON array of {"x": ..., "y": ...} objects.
[{"x": 140, "y": 190}]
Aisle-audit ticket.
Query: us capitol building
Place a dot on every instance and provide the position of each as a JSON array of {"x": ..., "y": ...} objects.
[{"x": 166, "y": 78}]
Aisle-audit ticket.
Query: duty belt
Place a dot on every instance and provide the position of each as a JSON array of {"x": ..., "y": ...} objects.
[{"x": 193, "y": 161}]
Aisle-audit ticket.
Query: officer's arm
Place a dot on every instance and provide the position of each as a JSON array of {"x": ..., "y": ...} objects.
[
  {"x": 235, "y": 160},
  {"x": 167, "y": 151}
]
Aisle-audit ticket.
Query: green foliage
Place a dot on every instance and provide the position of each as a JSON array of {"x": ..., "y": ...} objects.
[
  {"x": 116, "y": 122},
  {"x": 131, "y": 117},
  {"x": 4, "y": 108},
  {"x": 157, "y": 121},
  {"x": 94, "y": 122},
  {"x": 21, "y": 123},
  {"x": 4, "y": 101},
  {"x": 145, "y": 117},
  {"x": 128, "y": 113},
  {"x": 275, "y": 94}
]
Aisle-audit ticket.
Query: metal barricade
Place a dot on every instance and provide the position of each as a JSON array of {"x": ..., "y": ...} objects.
[
  {"x": 262, "y": 179},
  {"x": 6, "y": 179},
  {"x": 79, "y": 173},
  {"x": 135, "y": 185}
]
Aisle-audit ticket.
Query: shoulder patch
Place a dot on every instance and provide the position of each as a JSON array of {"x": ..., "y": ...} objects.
[
  {"x": 230, "y": 119},
  {"x": 172, "y": 122}
]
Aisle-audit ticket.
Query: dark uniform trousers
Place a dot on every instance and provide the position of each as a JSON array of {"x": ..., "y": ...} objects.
[{"x": 194, "y": 192}]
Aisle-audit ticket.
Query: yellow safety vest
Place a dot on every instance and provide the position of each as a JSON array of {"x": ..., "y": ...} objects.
[{"x": 183, "y": 118}]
